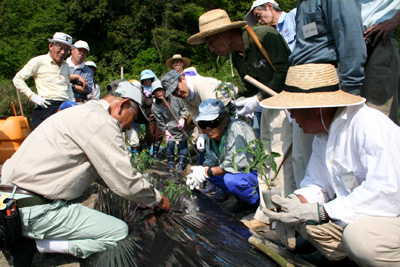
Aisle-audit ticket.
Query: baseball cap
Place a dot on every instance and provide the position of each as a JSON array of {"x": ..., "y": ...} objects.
[
  {"x": 249, "y": 16},
  {"x": 125, "y": 89},
  {"x": 82, "y": 44},
  {"x": 67, "y": 104},
  {"x": 210, "y": 109},
  {"x": 91, "y": 64},
  {"x": 170, "y": 82},
  {"x": 60, "y": 37}
]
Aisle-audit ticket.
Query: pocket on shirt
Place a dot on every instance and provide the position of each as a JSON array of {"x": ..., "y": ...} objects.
[{"x": 319, "y": 19}]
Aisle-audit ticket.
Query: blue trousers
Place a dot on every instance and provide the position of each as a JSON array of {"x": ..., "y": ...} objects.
[
  {"x": 242, "y": 185},
  {"x": 183, "y": 148}
]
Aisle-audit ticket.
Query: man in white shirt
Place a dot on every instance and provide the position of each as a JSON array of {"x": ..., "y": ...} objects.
[{"x": 348, "y": 203}]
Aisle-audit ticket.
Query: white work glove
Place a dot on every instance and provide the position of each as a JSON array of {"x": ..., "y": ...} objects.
[
  {"x": 247, "y": 105},
  {"x": 168, "y": 136},
  {"x": 229, "y": 90},
  {"x": 181, "y": 124},
  {"x": 200, "y": 142},
  {"x": 286, "y": 234},
  {"x": 38, "y": 100},
  {"x": 294, "y": 212},
  {"x": 196, "y": 178}
]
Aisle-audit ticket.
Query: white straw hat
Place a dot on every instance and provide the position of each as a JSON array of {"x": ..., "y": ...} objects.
[
  {"x": 311, "y": 86},
  {"x": 60, "y": 37},
  {"x": 185, "y": 60},
  {"x": 249, "y": 16},
  {"x": 213, "y": 22}
]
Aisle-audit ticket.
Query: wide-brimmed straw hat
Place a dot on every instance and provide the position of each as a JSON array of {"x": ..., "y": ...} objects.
[
  {"x": 213, "y": 22},
  {"x": 311, "y": 86},
  {"x": 185, "y": 60}
]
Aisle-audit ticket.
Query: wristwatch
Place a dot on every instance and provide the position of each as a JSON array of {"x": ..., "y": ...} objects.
[{"x": 209, "y": 172}]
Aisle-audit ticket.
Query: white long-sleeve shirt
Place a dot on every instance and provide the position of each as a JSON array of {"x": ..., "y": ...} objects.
[{"x": 355, "y": 170}]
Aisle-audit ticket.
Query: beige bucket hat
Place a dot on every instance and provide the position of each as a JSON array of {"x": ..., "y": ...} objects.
[
  {"x": 185, "y": 60},
  {"x": 213, "y": 22},
  {"x": 311, "y": 86}
]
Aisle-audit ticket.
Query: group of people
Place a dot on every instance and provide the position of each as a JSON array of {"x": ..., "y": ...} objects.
[{"x": 332, "y": 69}]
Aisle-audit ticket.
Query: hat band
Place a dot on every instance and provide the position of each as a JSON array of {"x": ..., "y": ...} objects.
[{"x": 295, "y": 89}]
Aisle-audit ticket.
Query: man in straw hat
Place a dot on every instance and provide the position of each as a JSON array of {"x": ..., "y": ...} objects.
[
  {"x": 61, "y": 159},
  {"x": 348, "y": 203},
  {"x": 224, "y": 37},
  {"x": 180, "y": 64},
  {"x": 52, "y": 78}
]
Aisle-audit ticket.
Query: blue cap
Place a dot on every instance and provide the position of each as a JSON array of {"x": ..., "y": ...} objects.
[
  {"x": 210, "y": 109},
  {"x": 67, "y": 104},
  {"x": 170, "y": 81}
]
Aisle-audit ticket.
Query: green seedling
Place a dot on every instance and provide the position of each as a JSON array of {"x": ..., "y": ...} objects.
[
  {"x": 263, "y": 160},
  {"x": 172, "y": 190},
  {"x": 225, "y": 86},
  {"x": 142, "y": 160}
]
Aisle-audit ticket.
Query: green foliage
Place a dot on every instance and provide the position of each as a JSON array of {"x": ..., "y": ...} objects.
[
  {"x": 263, "y": 160},
  {"x": 172, "y": 190},
  {"x": 142, "y": 160}
]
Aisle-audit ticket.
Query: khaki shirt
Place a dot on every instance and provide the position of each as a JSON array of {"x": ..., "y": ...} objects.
[
  {"x": 73, "y": 148},
  {"x": 51, "y": 81}
]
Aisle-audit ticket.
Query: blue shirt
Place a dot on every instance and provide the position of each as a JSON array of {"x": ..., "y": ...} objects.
[
  {"x": 374, "y": 12},
  {"x": 287, "y": 27},
  {"x": 86, "y": 73},
  {"x": 337, "y": 36}
]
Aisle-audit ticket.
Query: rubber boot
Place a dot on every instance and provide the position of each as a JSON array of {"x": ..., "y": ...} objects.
[
  {"x": 156, "y": 147},
  {"x": 180, "y": 164},
  {"x": 171, "y": 162}
]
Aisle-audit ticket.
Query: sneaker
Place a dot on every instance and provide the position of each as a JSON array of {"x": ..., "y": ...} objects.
[
  {"x": 210, "y": 189},
  {"x": 256, "y": 225},
  {"x": 220, "y": 195}
]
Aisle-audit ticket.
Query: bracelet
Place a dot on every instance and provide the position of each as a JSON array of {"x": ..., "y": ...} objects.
[
  {"x": 322, "y": 216},
  {"x": 209, "y": 172}
]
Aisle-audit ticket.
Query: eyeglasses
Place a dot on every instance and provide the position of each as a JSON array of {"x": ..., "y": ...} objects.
[
  {"x": 60, "y": 47},
  {"x": 211, "y": 124}
]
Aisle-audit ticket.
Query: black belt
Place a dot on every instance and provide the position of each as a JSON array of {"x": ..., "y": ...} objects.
[{"x": 32, "y": 200}]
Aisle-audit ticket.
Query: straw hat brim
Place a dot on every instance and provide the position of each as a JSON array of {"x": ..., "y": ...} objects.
[
  {"x": 289, "y": 100},
  {"x": 185, "y": 60},
  {"x": 198, "y": 38}
]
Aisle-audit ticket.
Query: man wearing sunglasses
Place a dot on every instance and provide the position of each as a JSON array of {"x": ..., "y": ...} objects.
[{"x": 225, "y": 136}]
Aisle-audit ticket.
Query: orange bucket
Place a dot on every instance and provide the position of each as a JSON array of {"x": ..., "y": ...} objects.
[{"x": 13, "y": 131}]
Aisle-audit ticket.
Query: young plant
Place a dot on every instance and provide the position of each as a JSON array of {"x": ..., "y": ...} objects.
[
  {"x": 172, "y": 190},
  {"x": 227, "y": 86},
  {"x": 262, "y": 160},
  {"x": 142, "y": 160}
]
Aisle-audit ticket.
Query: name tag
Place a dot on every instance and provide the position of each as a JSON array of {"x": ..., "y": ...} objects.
[
  {"x": 310, "y": 30},
  {"x": 350, "y": 181}
]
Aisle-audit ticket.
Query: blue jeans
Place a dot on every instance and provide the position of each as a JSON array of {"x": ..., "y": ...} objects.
[
  {"x": 241, "y": 185},
  {"x": 183, "y": 148}
]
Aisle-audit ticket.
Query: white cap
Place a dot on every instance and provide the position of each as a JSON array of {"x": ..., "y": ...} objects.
[
  {"x": 60, "y": 37},
  {"x": 249, "y": 16},
  {"x": 82, "y": 44},
  {"x": 91, "y": 64}
]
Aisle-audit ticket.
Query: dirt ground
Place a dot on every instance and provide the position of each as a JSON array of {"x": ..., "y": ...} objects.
[{"x": 88, "y": 199}]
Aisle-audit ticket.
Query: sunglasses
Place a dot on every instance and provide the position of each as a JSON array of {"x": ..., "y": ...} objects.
[{"x": 211, "y": 124}]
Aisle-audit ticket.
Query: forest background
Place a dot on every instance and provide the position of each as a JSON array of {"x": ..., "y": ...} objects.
[{"x": 135, "y": 35}]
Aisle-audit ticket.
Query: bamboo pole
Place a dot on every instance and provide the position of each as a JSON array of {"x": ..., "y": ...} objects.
[
  {"x": 269, "y": 252},
  {"x": 260, "y": 85},
  {"x": 183, "y": 131}
]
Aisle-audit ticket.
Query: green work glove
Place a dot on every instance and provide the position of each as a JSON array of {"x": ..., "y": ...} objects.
[{"x": 294, "y": 212}]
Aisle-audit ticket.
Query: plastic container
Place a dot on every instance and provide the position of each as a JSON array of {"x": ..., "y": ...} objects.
[{"x": 13, "y": 131}]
